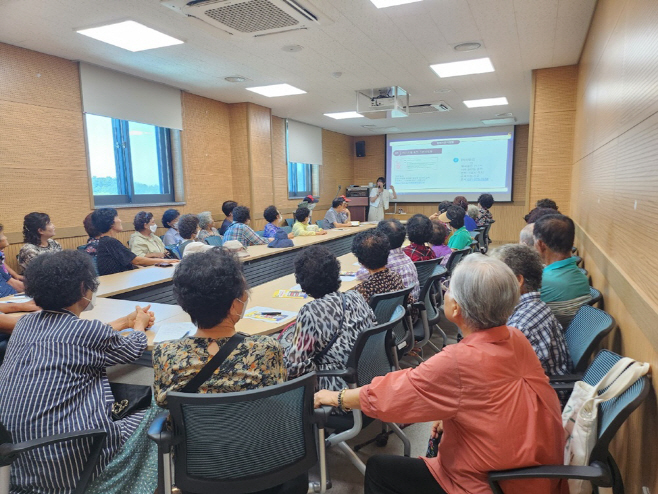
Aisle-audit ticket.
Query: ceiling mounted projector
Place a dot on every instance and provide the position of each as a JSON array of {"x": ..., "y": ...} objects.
[{"x": 383, "y": 102}]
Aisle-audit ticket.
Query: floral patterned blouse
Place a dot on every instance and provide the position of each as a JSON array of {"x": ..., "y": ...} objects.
[
  {"x": 30, "y": 251},
  {"x": 255, "y": 363}
]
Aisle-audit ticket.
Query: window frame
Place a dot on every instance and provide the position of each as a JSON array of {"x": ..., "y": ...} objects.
[
  {"x": 124, "y": 168},
  {"x": 292, "y": 178}
]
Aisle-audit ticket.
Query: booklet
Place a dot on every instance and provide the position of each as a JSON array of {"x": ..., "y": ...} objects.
[{"x": 173, "y": 331}]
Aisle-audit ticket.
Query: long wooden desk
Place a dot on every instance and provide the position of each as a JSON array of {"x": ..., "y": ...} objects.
[{"x": 153, "y": 284}]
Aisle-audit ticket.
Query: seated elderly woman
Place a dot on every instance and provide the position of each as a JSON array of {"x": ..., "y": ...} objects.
[
  {"x": 38, "y": 233},
  {"x": 419, "y": 230},
  {"x": 170, "y": 221},
  {"x": 53, "y": 380},
  {"x": 327, "y": 327},
  {"x": 488, "y": 393},
  {"x": 112, "y": 255},
  {"x": 371, "y": 249},
  {"x": 144, "y": 242},
  {"x": 206, "y": 223},
  {"x": 211, "y": 288}
]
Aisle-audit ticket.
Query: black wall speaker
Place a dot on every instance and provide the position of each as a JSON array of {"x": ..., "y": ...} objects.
[{"x": 360, "y": 149}]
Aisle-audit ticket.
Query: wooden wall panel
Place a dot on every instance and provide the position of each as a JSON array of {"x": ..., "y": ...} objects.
[
  {"x": 615, "y": 179},
  {"x": 553, "y": 120},
  {"x": 337, "y": 166},
  {"x": 260, "y": 144},
  {"x": 373, "y": 164},
  {"x": 240, "y": 153}
]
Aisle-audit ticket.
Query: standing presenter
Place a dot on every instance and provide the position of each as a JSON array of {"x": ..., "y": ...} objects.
[{"x": 380, "y": 198}]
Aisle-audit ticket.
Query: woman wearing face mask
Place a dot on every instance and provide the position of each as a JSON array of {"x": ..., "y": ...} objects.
[
  {"x": 211, "y": 288},
  {"x": 170, "y": 220},
  {"x": 380, "y": 198},
  {"x": 53, "y": 379},
  {"x": 144, "y": 242}
]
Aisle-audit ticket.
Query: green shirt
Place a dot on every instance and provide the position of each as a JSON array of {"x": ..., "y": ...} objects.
[
  {"x": 460, "y": 239},
  {"x": 562, "y": 281}
]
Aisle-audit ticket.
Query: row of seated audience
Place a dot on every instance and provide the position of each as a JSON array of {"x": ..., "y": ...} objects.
[{"x": 496, "y": 301}]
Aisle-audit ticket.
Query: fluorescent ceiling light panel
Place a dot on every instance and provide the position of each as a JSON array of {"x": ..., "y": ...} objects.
[
  {"x": 382, "y": 4},
  {"x": 465, "y": 67},
  {"x": 343, "y": 115},
  {"x": 131, "y": 36},
  {"x": 276, "y": 90},
  {"x": 499, "y": 121},
  {"x": 478, "y": 103}
]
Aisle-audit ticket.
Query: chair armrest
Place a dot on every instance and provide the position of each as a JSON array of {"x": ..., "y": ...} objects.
[
  {"x": 321, "y": 415},
  {"x": 158, "y": 432},
  {"x": 349, "y": 374},
  {"x": 562, "y": 386},
  {"x": 565, "y": 378},
  {"x": 597, "y": 473},
  {"x": 419, "y": 305},
  {"x": 8, "y": 451}
]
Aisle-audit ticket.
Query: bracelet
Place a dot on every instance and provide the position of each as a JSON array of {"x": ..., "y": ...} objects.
[{"x": 341, "y": 404}]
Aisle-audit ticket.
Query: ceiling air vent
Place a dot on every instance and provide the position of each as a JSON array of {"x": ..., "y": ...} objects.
[
  {"x": 247, "y": 18},
  {"x": 441, "y": 106}
]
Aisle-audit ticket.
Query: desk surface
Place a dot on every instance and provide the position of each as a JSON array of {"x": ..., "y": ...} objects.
[{"x": 127, "y": 281}]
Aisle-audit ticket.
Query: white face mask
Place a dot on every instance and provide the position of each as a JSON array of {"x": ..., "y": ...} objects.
[
  {"x": 174, "y": 225},
  {"x": 91, "y": 304},
  {"x": 153, "y": 228},
  {"x": 244, "y": 307}
]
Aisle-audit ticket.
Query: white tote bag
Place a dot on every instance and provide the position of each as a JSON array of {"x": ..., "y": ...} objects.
[{"x": 580, "y": 415}]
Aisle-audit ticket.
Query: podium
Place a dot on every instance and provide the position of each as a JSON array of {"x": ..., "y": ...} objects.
[{"x": 359, "y": 203}]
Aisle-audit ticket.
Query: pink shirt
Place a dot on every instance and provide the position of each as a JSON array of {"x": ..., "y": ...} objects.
[{"x": 498, "y": 410}]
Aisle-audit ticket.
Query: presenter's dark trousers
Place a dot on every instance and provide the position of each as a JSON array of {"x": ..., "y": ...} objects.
[{"x": 389, "y": 474}]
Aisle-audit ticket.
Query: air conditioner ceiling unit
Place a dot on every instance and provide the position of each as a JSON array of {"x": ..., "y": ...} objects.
[
  {"x": 248, "y": 18},
  {"x": 441, "y": 106}
]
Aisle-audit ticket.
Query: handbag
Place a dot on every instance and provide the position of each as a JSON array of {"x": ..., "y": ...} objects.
[
  {"x": 129, "y": 398},
  {"x": 580, "y": 415},
  {"x": 206, "y": 371}
]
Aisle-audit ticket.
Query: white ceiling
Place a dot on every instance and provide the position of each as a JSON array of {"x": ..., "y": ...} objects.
[{"x": 371, "y": 47}]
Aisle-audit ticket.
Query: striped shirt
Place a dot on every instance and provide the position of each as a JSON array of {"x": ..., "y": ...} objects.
[{"x": 53, "y": 381}]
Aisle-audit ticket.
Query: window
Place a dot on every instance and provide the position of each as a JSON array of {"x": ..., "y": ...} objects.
[
  {"x": 300, "y": 180},
  {"x": 130, "y": 162}
]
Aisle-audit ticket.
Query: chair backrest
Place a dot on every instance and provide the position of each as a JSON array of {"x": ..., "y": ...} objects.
[
  {"x": 474, "y": 246},
  {"x": 612, "y": 413},
  {"x": 324, "y": 224},
  {"x": 588, "y": 327},
  {"x": 260, "y": 233},
  {"x": 244, "y": 441},
  {"x": 384, "y": 306},
  {"x": 455, "y": 258},
  {"x": 425, "y": 269},
  {"x": 372, "y": 354},
  {"x": 287, "y": 229},
  {"x": 577, "y": 258},
  {"x": 82, "y": 248},
  {"x": 174, "y": 250},
  {"x": 214, "y": 240},
  {"x": 290, "y": 221},
  {"x": 596, "y": 296},
  {"x": 182, "y": 245},
  {"x": 426, "y": 294}
]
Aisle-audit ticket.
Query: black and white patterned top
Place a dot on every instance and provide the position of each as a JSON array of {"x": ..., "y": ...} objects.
[
  {"x": 53, "y": 381},
  {"x": 317, "y": 322},
  {"x": 383, "y": 281},
  {"x": 30, "y": 251}
]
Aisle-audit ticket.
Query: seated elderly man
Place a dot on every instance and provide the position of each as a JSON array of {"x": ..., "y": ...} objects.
[
  {"x": 371, "y": 248},
  {"x": 488, "y": 393},
  {"x": 527, "y": 237},
  {"x": 398, "y": 261},
  {"x": 564, "y": 287},
  {"x": 334, "y": 216},
  {"x": 532, "y": 316}
]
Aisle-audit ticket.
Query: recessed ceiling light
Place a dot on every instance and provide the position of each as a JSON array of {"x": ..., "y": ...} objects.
[
  {"x": 382, "y": 4},
  {"x": 499, "y": 121},
  {"x": 504, "y": 114},
  {"x": 276, "y": 90},
  {"x": 469, "y": 46},
  {"x": 443, "y": 90},
  {"x": 131, "y": 36},
  {"x": 465, "y": 67},
  {"x": 477, "y": 103},
  {"x": 343, "y": 115},
  {"x": 235, "y": 78},
  {"x": 292, "y": 48}
]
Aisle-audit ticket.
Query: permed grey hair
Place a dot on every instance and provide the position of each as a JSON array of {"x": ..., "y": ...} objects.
[
  {"x": 473, "y": 211},
  {"x": 205, "y": 220},
  {"x": 486, "y": 291},
  {"x": 527, "y": 237},
  {"x": 523, "y": 261}
]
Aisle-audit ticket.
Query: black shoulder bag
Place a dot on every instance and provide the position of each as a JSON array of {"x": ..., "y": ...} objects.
[
  {"x": 207, "y": 370},
  {"x": 333, "y": 339}
]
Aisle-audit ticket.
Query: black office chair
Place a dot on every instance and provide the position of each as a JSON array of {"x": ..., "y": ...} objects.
[
  {"x": 241, "y": 442},
  {"x": 182, "y": 245},
  {"x": 371, "y": 356},
  {"x": 424, "y": 269},
  {"x": 290, "y": 222},
  {"x": 454, "y": 259},
  {"x": 429, "y": 308},
  {"x": 324, "y": 224},
  {"x": 384, "y": 306},
  {"x": 596, "y": 297},
  {"x": 173, "y": 250},
  {"x": 483, "y": 239},
  {"x": 94, "y": 438},
  {"x": 214, "y": 240},
  {"x": 602, "y": 470},
  {"x": 579, "y": 260}
]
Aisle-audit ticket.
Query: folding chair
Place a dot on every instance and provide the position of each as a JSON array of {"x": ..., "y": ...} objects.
[
  {"x": 95, "y": 438},
  {"x": 602, "y": 470},
  {"x": 240, "y": 442}
]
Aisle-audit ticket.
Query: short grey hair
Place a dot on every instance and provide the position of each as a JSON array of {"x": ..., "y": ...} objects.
[
  {"x": 205, "y": 219},
  {"x": 473, "y": 211},
  {"x": 526, "y": 236},
  {"x": 486, "y": 290},
  {"x": 523, "y": 261}
]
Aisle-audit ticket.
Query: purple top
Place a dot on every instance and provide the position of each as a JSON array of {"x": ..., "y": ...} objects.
[{"x": 441, "y": 250}]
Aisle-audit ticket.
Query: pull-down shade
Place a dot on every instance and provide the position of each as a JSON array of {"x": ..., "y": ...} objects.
[
  {"x": 304, "y": 143},
  {"x": 117, "y": 95}
]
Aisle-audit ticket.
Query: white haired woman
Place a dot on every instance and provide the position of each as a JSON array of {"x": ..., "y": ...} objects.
[
  {"x": 206, "y": 223},
  {"x": 488, "y": 394}
]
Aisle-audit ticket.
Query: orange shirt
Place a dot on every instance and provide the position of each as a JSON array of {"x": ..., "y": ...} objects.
[{"x": 498, "y": 410}]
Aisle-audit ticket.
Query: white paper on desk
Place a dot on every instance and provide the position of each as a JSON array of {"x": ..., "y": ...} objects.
[
  {"x": 347, "y": 278},
  {"x": 295, "y": 288},
  {"x": 357, "y": 264},
  {"x": 173, "y": 331},
  {"x": 17, "y": 299},
  {"x": 256, "y": 313}
]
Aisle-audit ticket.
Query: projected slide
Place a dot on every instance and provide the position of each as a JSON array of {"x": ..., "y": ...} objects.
[{"x": 438, "y": 166}]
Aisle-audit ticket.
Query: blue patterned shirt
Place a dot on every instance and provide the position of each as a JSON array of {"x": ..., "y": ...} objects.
[
  {"x": 243, "y": 234},
  {"x": 270, "y": 230},
  {"x": 536, "y": 321}
]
